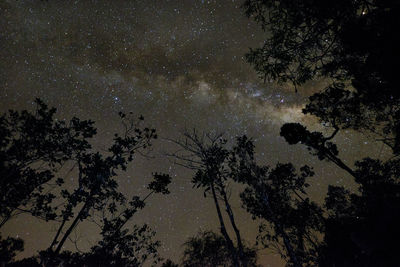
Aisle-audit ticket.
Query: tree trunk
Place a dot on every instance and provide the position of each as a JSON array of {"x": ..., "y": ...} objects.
[
  {"x": 72, "y": 226},
  {"x": 57, "y": 234},
  {"x": 5, "y": 219},
  {"x": 341, "y": 164},
  {"x": 223, "y": 228},
  {"x": 282, "y": 233},
  {"x": 237, "y": 232}
]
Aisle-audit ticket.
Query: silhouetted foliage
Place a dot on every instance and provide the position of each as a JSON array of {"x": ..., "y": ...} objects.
[
  {"x": 206, "y": 249},
  {"x": 169, "y": 263},
  {"x": 278, "y": 196},
  {"x": 124, "y": 248},
  {"x": 9, "y": 248},
  {"x": 208, "y": 156},
  {"x": 353, "y": 44},
  {"x": 340, "y": 39},
  {"x": 275, "y": 195},
  {"x": 210, "y": 249},
  {"x": 362, "y": 227},
  {"x": 356, "y": 222},
  {"x": 35, "y": 147}
]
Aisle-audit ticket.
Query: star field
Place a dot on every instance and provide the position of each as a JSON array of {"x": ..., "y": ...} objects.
[{"x": 178, "y": 63}]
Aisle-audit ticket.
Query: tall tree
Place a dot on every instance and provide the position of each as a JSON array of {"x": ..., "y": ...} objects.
[
  {"x": 351, "y": 43},
  {"x": 208, "y": 156},
  {"x": 33, "y": 149},
  {"x": 277, "y": 195},
  {"x": 96, "y": 188}
]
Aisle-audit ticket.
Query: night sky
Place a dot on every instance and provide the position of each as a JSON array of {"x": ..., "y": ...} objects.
[{"x": 178, "y": 63}]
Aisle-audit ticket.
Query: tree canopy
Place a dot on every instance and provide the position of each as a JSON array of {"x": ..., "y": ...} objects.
[
  {"x": 210, "y": 249},
  {"x": 35, "y": 147},
  {"x": 351, "y": 44}
]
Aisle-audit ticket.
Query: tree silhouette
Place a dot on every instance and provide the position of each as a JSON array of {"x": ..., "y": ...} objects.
[
  {"x": 208, "y": 156},
  {"x": 9, "y": 248},
  {"x": 351, "y": 43},
  {"x": 356, "y": 223},
  {"x": 97, "y": 188},
  {"x": 362, "y": 226},
  {"x": 316, "y": 143},
  {"x": 341, "y": 39},
  {"x": 278, "y": 196},
  {"x": 125, "y": 248},
  {"x": 210, "y": 249},
  {"x": 206, "y": 249},
  {"x": 34, "y": 149},
  {"x": 169, "y": 263},
  {"x": 120, "y": 247}
]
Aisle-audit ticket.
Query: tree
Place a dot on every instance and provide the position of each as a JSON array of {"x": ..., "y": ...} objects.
[
  {"x": 33, "y": 147},
  {"x": 206, "y": 249},
  {"x": 210, "y": 249},
  {"x": 130, "y": 247},
  {"x": 359, "y": 220},
  {"x": 9, "y": 248},
  {"x": 169, "y": 263},
  {"x": 361, "y": 227},
  {"x": 118, "y": 246},
  {"x": 49, "y": 145},
  {"x": 96, "y": 187},
  {"x": 277, "y": 195},
  {"x": 352, "y": 44},
  {"x": 208, "y": 156},
  {"x": 316, "y": 143},
  {"x": 349, "y": 42},
  {"x": 342, "y": 39}
]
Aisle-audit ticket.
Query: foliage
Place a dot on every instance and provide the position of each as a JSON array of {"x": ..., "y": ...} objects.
[
  {"x": 352, "y": 43},
  {"x": 122, "y": 248},
  {"x": 363, "y": 227},
  {"x": 356, "y": 222},
  {"x": 210, "y": 249},
  {"x": 208, "y": 155},
  {"x": 277, "y": 195},
  {"x": 341, "y": 39},
  {"x": 34, "y": 148},
  {"x": 206, "y": 249},
  {"x": 9, "y": 248},
  {"x": 169, "y": 263}
]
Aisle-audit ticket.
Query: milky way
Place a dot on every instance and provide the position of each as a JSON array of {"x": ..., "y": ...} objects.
[{"x": 181, "y": 65}]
